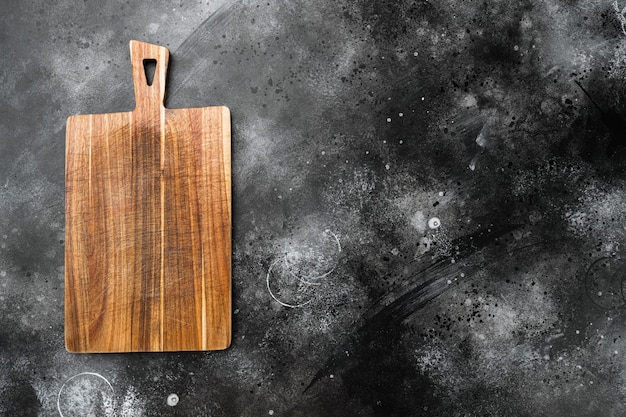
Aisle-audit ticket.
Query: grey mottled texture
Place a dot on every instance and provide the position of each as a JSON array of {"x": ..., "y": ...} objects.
[{"x": 437, "y": 188}]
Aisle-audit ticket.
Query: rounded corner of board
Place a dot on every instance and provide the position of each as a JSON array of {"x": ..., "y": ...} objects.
[
  {"x": 69, "y": 348},
  {"x": 226, "y": 345}
]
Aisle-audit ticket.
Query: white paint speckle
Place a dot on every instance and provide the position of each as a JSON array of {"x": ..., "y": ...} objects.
[
  {"x": 387, "y": 166},
  {"x": 271, "y": 412},
  {"x": 481, "y": 139},
  {"x": 400, "y": 114},
  {"x": 172, "y": 400},
  {"x": 415, "y": 53},
  {"x": 388, "y": 119},
  {"x": 434, "y": 222}
]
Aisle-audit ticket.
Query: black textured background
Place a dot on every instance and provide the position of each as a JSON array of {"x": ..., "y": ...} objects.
[{"x": 436, "y": 187}]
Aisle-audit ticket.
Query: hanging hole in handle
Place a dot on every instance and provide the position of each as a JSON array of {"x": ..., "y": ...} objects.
[{"x": 149, "y": 67}]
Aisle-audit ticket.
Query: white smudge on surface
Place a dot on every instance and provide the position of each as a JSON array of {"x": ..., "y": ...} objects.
[
  {"x": 418, "y": 221},
  {"x": 132, "y": 404},
  {"x": 600, "y": 215}
]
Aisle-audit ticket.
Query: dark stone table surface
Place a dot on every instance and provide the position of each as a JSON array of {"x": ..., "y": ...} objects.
[{"x": 429, "y": 205}]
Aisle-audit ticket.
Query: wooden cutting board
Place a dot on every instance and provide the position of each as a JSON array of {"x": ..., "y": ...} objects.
[{"x": 148, "y": 223}]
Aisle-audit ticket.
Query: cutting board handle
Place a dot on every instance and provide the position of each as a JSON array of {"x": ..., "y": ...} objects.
[{"x": 149, "y": 95}]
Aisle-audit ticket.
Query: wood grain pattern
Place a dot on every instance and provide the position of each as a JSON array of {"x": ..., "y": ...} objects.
[{"x": 148, "y": 224}]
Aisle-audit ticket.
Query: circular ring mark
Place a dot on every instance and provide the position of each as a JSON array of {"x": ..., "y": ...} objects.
[
  {"x": 172, "y": 400},
  {"x": 434, "y": 222},
  {"x": 77, "y": 376},
  {"x": 269, "y": 289},
  {"x": 311, "y": 278},
  {"x": 301, "y": 271}
]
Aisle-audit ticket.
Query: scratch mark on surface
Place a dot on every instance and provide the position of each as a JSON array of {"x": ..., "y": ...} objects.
[
  {"x": 336, "y": 239},
  {"x": 613, "y": 121},
  {"x": 621, "y": 16},
  {"x": 200, "y": 36},
  {"x": 432, "y": 280}
]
